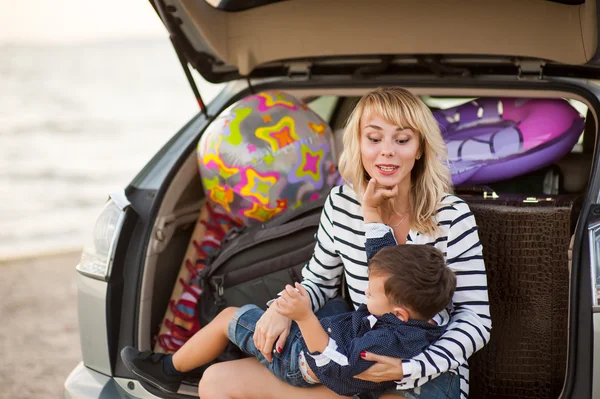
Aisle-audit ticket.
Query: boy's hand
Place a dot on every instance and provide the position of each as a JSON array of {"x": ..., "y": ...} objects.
[
  {"x": 294, "y": 303},
  {"x": 373, "y": 197}
]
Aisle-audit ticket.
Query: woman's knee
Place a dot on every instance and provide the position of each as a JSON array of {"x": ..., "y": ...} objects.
[{"x": 211, "y": 385}]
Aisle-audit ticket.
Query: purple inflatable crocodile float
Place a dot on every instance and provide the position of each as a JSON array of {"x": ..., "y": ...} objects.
[{"x": 492, "y": 139}]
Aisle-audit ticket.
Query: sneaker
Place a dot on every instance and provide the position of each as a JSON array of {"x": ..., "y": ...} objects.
[{"x": 148, "y": 367}]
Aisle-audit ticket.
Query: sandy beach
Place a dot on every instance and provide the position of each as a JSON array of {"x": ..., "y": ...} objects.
[{"x": 39, "y": 331}]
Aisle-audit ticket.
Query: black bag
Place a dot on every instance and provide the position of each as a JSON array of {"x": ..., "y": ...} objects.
[{"x": 253, "y": 265}]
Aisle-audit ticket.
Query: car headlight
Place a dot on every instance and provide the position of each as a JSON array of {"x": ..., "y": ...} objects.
[{"x": 98, "y": 254}]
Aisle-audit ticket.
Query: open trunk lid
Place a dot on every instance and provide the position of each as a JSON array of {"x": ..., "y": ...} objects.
[{"x": 335, "y": 37}]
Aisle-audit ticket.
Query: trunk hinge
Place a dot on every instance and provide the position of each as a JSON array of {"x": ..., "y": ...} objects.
[
  {"x": 165, "y": 226},
  {"x": 530, "y": 69}
]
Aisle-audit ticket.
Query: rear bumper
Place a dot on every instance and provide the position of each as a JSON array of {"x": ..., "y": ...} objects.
[{"x": 84, "y": 382}]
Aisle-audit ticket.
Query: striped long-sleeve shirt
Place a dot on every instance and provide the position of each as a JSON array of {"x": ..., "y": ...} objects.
[{"x": 340, "y": 249}]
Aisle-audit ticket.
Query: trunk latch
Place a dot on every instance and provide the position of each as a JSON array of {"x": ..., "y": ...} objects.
[
  {"x": 530, "y": 69},
  {"x": 299, "y": 70}
]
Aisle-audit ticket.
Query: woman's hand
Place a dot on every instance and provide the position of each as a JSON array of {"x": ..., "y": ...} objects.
[
  {"x": 271, "y": 326},
  {"x": 373, "y": 197},
  {"x": 386, "y": 368}
]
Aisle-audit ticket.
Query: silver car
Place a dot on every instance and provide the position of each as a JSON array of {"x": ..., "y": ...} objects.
[{"x": 328, "y": 53}]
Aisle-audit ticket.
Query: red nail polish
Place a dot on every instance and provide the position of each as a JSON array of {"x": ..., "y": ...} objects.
[
  {"x": 363, "y": 354},
  {"x": 279, "y": 349}
]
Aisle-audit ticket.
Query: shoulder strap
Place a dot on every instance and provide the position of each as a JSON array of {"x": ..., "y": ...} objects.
[{"x": 307, "y": 215}]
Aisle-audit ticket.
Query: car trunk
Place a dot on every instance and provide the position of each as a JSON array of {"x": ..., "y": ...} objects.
[{"x": 526, "y": 237}]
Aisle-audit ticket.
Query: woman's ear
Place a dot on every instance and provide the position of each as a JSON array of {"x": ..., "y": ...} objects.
[{"x": 421, "y": 150}]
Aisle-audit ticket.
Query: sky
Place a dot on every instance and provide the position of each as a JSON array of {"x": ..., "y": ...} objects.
[{"x": 77, "y": 21}]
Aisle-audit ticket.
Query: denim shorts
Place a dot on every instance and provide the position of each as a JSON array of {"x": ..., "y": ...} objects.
[
  {"x": 285, "y": 364},
  {"x": 444, "y": 386}
]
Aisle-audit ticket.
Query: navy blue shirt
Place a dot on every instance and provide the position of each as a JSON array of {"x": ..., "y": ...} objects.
[
  {"x": 374, "y": 245},
  {"x": 353, "y": 334}
]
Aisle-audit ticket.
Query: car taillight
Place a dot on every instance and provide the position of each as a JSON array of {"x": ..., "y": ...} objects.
[
  {"x": 594, "y": 237},
  {"x": 98, "y": 253}
]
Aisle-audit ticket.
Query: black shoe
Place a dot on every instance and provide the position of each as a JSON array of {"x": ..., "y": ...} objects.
[{"x": 148, "y": 367}]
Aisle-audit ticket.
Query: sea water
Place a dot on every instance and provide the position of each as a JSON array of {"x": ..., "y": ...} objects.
[{"x": 77, "y": 122}]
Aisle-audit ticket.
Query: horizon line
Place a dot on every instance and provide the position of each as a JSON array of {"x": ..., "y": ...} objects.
[{"x": 83, "y": 41}]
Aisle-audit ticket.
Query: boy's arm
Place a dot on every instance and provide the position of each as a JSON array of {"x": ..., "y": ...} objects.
[
  {"x": 378, "y": 236},
  {"x": 348, "y": 361},
  {"x": 314, "y": 334}
]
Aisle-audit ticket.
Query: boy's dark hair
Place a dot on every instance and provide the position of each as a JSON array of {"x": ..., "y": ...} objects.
[{"x": 417, "y": 277}]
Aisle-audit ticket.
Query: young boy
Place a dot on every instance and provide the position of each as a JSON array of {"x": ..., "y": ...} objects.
[{"x": 408, "y": 285}]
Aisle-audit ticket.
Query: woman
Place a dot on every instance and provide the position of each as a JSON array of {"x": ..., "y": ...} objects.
[
  {"x": 393, "y": 138},
  {"x": 397, "y": 191}
]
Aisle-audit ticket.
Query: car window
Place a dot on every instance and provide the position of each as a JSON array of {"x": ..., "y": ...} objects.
[
  {"x": 583, "y": 110},
  {"x": 324, "y": 106},
  {"x": 445, "y": 102}
]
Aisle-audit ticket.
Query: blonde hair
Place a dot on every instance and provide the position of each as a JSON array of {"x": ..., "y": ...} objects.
[{"x": 430, "y": 176}]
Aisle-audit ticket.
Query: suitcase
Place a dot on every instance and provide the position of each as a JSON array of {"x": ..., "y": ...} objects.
[{"x": 525, "y": 247}]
